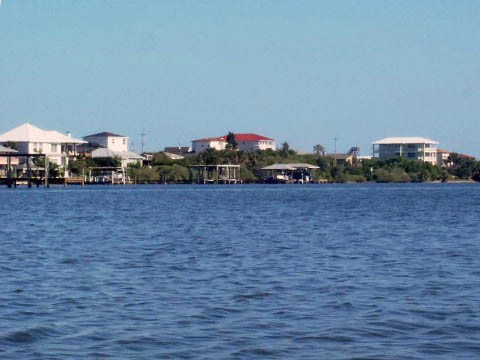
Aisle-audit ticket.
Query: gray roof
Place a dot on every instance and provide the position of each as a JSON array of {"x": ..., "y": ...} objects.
[
  {"x": 4, "y": 149},
  {"x": 177, "y": 150},
  {"x": 104, "y": 134}
]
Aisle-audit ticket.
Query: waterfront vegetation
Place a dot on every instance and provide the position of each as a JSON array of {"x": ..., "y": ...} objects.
[{"x": 166, "y": 170}]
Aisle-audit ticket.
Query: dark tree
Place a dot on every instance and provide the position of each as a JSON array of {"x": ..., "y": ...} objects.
[
  {"x": 231, "y": 142},
  {"x": 319, "y": 149}
]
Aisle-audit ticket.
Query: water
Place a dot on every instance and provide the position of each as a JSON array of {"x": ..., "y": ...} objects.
[{"x": 240, "y": 272}]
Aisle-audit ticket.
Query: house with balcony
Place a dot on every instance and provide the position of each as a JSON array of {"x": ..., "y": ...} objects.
[
  {"x": 412, "y": 148},
  {"x": 59, "y": 148},
  {"x": 107, "y": 145},
  {"x": 246, "y": 142}
]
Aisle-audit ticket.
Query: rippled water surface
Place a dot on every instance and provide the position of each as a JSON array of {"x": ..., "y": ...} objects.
[{"x": 240, "y": 272}]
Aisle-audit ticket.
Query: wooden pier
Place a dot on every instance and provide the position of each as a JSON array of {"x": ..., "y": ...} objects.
[
  {"x": 12, "y": 181},
  {"x": 215, "y": 174}
]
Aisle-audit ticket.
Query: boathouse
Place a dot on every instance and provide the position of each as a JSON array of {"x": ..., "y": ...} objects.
[{"x": 289, "y": 173}]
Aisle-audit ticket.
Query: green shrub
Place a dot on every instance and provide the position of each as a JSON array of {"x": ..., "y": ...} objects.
[{"x": 383, "y": 176}]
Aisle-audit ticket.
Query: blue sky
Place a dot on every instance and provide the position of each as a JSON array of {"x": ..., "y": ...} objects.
[{"x": 298, "y": 71}]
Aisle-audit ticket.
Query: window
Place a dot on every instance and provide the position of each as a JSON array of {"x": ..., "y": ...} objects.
[
  {"x": 124, "y": 141},
  {"x": 411, "y": 146},
  {"x": 53, "y": 148},
  {"x": 427, "y": 145},
  {"x": 427, "y": 154},
  {"x": 411, "y": 155},
  {"x": 113, "y": 141}
]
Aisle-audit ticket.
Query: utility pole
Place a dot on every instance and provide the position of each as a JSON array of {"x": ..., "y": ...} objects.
[
  {"x": 335, "y": 149},
  {"x": 142, "y": 135}
]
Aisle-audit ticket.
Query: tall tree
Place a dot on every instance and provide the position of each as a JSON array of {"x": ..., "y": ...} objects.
[
  {"x": 231, "y": 142},
  {"x": 319, "y": 149},
  {"x": 285, "y": 150}
]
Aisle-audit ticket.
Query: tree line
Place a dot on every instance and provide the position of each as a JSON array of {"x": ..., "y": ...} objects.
[{"x": 166, "y": 170}]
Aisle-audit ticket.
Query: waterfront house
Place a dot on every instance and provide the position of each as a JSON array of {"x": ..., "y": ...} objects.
[
  {"x": 246, "y": 142},
  {"x": 108, "y": 140},
  {"x": 412, "y": 148},
  {"x": 59, "y": 148}
]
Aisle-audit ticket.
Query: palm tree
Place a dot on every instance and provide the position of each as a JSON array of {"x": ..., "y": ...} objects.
[{"x": 319, "y": 149}]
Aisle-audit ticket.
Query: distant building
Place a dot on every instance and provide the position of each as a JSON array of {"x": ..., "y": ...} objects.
[
  {"x": 217, "y": 143},
  {"x": 246, "y": 142},
  {"x": 29, "y": 139},
  {"x": 412, "y": 148},
  {"x": 351, "y": 157},
  {"x": 174, "y": 156},
  {"x": 341, "y": 158},
  {"x": 443, "y": 156},
  {"x": 108, "y": 140},
  {"x": 178, "y": 150}
]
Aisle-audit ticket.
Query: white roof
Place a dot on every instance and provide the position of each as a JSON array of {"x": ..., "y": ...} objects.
[
  {"x": 4, "y": 149},
  {"x": 107, "y": 153},
  {"x": 279, "y": 167},
  {"x": 304, "y": 166},
  {"x": 290, "y": 167},
  {"x": 405, "y": 140},
  {"x": 30, "y": 133}
]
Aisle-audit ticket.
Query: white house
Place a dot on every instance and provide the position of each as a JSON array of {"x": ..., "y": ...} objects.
[
  {"x": 109, "y": 141},
  {"x": 412, "y": 148},
  {"x": 246, "y": 142},
  {"x": 29, "y": 139}
]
